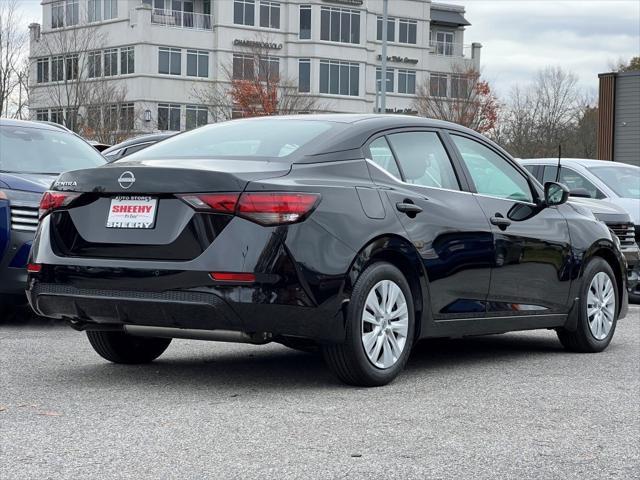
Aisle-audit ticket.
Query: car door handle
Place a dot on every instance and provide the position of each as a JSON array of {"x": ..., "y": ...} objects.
[
  {"x": 500, "y": 222},
  {"x": 408, "y": 208}
]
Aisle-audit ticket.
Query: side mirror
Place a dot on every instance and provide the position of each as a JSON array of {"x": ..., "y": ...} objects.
[
  {"x": 580, "y": 192},
  {"x": 555, "y": 194}
]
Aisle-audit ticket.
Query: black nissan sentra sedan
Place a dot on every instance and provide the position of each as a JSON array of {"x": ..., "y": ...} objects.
[{"x": 353, "y": 234}]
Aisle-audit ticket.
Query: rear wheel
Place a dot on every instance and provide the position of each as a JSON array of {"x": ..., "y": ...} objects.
[
  {"x": 118, "y": 347},
  {"x": 598, "y": 310},
  {"x": 379, "y": 330}
]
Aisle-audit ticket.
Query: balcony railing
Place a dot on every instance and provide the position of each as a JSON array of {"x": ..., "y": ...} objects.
[
  {"x": 449, "y": 49},
  {"x": 180, "y": 19}
]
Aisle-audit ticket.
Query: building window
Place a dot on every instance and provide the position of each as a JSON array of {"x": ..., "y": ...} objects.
[
  {"x": 197, "y": 116},
  {"x": 126, "y": 117},
  {"x": 72, "y": 12},
  {"x": 57, "y": 15},
  {"x": 43, "y": 70},
  {"x": 169, "y": 61},
  {"x": 444, "y": 43},
  {"x": 111, "y": 62},
  {"x": 71, "y": 118},
  {"x": 269, "y": 14},
  {"x": 269, "y": 69},
  {"x": 42, "y": 115},
  {"x": 57, "y": 69},
  {"x": 408, "y": 31},
  {"x": 71, "y": 70},
  {"x": 197, "y": 63},
  {"x": 391, "y": 29},
  {"x": 94, "y": 117},
  {"x": 304, "y": 75},
  {"x": 305, "y": 22},
  {"x": 110, "y": 9},
  {"x": 169, "y": 117},
  {"x": 339, "y": 25},
  {"x": 111, "y": 117},
  {"x": 438, "y": 85},
  {"x": 459, "y": 86},
  {"x": 95, "y": 10},
  {"x": 94, "y": 64},
  {"x": 244, "y": 12},
  {"x": 339, "y": 78},
  {"x": 57, "y": 116},
  {"x": 390, "y": 77},
  {"x": 127, "y": 60},
  {"x": 407, "y": 81},
  {"x": 243, "y": 67}
]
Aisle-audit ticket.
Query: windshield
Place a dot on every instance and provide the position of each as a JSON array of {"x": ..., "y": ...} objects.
[
  {"x": 249, "y": 139},
  {"x": 624, "y": 180},
  {"x": 39, "y": 150}
]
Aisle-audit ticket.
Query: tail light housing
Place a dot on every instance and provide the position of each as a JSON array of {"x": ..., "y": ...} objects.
[
  {"x": 264, "y": 208},
  {"x": 51, "y": 201}
]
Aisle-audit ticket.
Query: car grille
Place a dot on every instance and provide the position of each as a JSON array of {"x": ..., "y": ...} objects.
[
  {"x": 24, "y": 218},
  {"x": 625, "y": 232}
]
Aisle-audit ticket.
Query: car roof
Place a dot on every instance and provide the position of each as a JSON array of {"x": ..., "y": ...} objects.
[
  {"x": 153, "y": 137},
  {"x": 10, "y": 122},
  {"x": 585, "y": 162}
]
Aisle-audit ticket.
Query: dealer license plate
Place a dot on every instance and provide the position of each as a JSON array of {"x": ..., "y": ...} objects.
[{"x": 132, "y": 212}]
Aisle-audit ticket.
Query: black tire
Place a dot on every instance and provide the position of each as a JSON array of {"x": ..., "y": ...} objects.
[
  {"x": 349, "y": 360},
  {"x": 582, "y": 340},
  {"x": 118, "y": 347},
  {"x": 299, "y": 344}
]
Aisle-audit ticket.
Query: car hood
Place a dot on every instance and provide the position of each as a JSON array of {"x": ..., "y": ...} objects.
[
  {"x": 631, "y": 205},
  {"x": 604, "y": 210},
  {"x": 27, "y": 182}
]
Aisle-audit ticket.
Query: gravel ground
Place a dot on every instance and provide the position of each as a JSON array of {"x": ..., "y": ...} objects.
[{"x": 506, "y": 406}]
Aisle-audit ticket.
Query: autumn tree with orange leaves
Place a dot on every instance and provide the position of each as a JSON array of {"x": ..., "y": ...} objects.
[
  {"x": 462, "y": 98},
  {"x": 254, "y": 86}
]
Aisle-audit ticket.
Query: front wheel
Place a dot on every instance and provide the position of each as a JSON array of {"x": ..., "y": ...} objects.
[
  {"x": 598, "y": 312},
  {"x": 379, "y": 329},
  {"x": 118, "y": 347}
]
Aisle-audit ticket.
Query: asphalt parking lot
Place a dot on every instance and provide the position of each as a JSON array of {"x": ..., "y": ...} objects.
[{"x": 506, "y": 406}]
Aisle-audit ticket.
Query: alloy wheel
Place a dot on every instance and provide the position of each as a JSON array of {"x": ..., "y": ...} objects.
[
  {"x": 385, "y": 324},
  {"x": 601, "y": 305}
]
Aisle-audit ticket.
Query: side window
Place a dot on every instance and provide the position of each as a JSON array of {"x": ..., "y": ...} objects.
[
  {"x": 423, "y": 160},
  {"x": 572, "y": 179},
  {"x": 492, "y": 174},
  {"x": 382, "y": 156}
]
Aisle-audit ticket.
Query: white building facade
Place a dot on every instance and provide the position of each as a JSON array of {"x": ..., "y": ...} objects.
[{"x": 162, "y": 51}]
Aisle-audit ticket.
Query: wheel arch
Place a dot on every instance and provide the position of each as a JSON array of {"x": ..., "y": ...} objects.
[{"x": 402, "y": 254}]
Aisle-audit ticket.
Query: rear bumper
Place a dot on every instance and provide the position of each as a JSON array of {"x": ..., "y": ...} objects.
[
  {"x": 13, "y": 273},
  {"x": 248, "y": 309}
]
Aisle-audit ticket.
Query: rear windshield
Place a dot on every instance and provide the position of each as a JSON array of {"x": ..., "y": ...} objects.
[
  {"x": 622, "y": 179},
  {"x": 254, "y": 139},
  {"x": 38, "y": 150}
]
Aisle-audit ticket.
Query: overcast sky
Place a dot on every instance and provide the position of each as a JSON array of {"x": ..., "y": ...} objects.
[{"x": 521, "y": 36}]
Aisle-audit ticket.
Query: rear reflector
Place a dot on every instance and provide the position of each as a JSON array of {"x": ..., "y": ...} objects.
[
  {"x": 233, "y": 277},
  {"x": 34, "y": 268},
  {"x": 53, "y": 200},
  {"x": 265, "y": 208}
]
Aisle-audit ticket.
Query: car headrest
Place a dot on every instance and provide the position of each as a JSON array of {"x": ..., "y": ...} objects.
[{"x": 416, "y": 167}]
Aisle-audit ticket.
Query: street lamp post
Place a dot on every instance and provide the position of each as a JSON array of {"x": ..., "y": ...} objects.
[{"x": 383, "y": 69}]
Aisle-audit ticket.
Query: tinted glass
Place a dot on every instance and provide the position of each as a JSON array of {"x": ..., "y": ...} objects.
[
  {"x": 424, "y": 160},
  {"x": 383, "y": 157},
  {"x": 624, "y": 180},
  {"x": 253, "y": 139},
  {"x": 492, "y": 174},
  {"x": 35, "y": 150}
]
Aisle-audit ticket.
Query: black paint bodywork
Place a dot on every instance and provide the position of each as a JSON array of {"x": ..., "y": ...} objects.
[{"x": 467, "y": 275}]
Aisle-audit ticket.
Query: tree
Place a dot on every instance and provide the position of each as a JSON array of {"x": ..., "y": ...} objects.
[
  {"x": 12, "y": 52},
  {"x": 621, "y": 66},
  {"x": 253, "y": 86},
  {"x": 470, "y": 102},
  {"x": 543, "y": 114}
]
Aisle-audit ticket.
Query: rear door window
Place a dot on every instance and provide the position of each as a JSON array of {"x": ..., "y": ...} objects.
[
  {"x": 382, "y": 156},
  {"x": 423, "y": 160}
]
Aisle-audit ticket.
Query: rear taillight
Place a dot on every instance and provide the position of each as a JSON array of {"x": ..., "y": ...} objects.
[
  {"x": 34, "y": 268},
  {"x": 233, "y": 277},
  {"x": 54, "y": 200},
  {"x": 265, "y": 208}
]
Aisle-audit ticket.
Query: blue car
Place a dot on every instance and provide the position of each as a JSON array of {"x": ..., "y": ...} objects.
[{"x": 32, "y": 155}]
